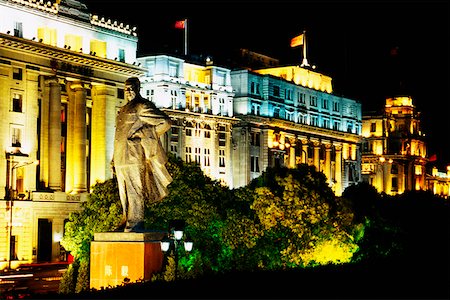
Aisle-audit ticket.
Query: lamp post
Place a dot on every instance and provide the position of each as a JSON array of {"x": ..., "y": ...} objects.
[
  {"x": 11, "y": 166},
  {"x": 175, "y": 238}
]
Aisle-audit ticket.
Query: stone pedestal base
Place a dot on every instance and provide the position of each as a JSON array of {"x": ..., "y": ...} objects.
[{"x": 119, "y": 255}]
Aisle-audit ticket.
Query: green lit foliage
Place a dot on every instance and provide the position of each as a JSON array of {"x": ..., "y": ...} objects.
[
  {"x": 201, "y": 203},
  {"x": 304, "y": 224},
  {"x": 101, "y": 212}
]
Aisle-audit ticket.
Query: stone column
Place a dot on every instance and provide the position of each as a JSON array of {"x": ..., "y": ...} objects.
[
  {"x": 102, "y": 132},
  {"x": 54, "y": 134},
  {"x": 338, "y": 170},
  {"x": 292, "y": 153},
  {"x": 79, "y": 138},
  {"x": 305, "y": 151},
  {"x": 317, "y": 155},
  {"x": 328, "y": 162}
]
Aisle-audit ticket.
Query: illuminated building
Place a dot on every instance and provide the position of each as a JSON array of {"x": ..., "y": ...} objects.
[
  {"x": 61, "y": 83},
  {"x": 199, "y": 100},
  {"x": 394, "y": 153},
  {"x": 439, "y": 182},
  {"x": 289, "y": 115}
]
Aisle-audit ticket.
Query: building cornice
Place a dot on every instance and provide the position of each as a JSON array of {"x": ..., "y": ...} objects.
[
  {"x": 64, "y": 55},
  {"x": 303, "y": 128}
]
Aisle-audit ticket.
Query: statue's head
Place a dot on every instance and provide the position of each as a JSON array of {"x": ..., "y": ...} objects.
[{"x": 132, "y": 88}]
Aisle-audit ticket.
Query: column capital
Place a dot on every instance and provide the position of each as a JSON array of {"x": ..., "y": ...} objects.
[
  {"x": 51, "y": 80},
  {"x": 338, "y": 147},
  {"x": 76, "y": 85},
  {"x": 103, "y": 90}
]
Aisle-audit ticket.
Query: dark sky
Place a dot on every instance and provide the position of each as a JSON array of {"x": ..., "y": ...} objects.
[{"x": 371, "y": 49}]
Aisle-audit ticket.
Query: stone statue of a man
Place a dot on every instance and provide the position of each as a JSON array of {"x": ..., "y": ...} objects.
[{"x": 139, "y": 158}]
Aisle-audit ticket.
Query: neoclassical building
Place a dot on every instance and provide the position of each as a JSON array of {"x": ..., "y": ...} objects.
[
  {"x": 289, "y": 115},
  {"x": 394, "y": 153},
  {"x": 62, "y": 72},
  {"x": 235, "y": 124},
  {"x": 199, "y": 100}
]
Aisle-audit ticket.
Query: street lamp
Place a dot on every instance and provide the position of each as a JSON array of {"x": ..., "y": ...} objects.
[
  {"x": 11, "y": 166},
  {"x": 175, "y": 238}
]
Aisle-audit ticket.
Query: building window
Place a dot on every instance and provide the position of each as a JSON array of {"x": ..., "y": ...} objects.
[
  {"x": 349, "y": 127},
  {"x": 276, "y": 91},
  {"x": 188, "y": 132},
  {"x": 256, "y": 109},
  {"x": 17, "y": 73},
  {"x": 313, "y": 101},
  {"x": 252, "y": 87},
  {"x": 16, "y": 136},
  {"x": 394, "y": 184},
  {"x": 120, "y": 94},
  {"x": 394, "y": 169},
  {"x": 16, "y": 104},
  {"x": 18, "y": 32},
  {"x": 121, "y": 55},
  {"x": 325, "y": 103},
  {"x": 173, "y": 149},
  {"x": 336, "y": 125},
  {"x": 206, "y": 157},
  {"x": 326, "y": 123},
  {"x": 99, "y": 47},
  {"x": 314, "y": 121},
  {"x": 222, "y": 139},
  {"x": 336, "y": 106},
  {"x": 254, "y": 164},
  {"x": 221, "y": 158},
  {"x": 255, "y": 138},
  {"x": 188, "y": 154},
  {"x": 197, "y": 155},
  {"x": 276, "y": 112},
  {"x": 288, "y": 94},
  {"x": 302, "y": 98},
  {"x": 222, "y": 111},
  {"x": 373, "y": 127}
]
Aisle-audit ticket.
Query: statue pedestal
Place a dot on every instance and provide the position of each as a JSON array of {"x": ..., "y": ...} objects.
[{"x": 119, "y": 255}]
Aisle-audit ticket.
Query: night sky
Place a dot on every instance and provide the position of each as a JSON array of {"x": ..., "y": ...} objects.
[{"x": 371, "y": 49}]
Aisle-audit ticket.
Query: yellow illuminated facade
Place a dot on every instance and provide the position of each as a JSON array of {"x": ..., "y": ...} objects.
[
  {"x": 439, "y": 182},
  {"x": 58, "y": 108},
  {"x": 394, "y": 154}
]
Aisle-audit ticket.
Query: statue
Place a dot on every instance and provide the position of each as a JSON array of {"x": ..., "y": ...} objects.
[{"x": 139, "y": 158}]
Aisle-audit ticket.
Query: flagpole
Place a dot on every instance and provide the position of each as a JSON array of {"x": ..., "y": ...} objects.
[
  {"x": 185, "y": 36},
  {"x": 305, "y": 60}
]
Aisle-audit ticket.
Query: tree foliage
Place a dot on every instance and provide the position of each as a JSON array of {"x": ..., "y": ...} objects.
[{"x": 287, "y": 218}]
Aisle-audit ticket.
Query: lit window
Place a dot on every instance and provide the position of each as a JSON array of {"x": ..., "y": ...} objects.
[
  {"x": 16, "y": 136},
  {"x": 99, "y": 48}
]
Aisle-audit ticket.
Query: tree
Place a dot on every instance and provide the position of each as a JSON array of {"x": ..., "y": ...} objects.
[{"x": 304, "y": 224}]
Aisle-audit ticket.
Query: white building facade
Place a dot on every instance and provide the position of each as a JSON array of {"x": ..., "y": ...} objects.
[{"x": 290, "y": 116}]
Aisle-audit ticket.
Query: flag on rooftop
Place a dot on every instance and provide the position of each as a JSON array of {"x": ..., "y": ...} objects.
[
  {"x": 180, "y": 24},
  {"x": 297, "y": 41}
]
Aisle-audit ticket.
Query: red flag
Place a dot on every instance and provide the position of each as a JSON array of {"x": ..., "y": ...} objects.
[
  {"x": 179, "y": 24},
  {"x": 433, "y": 158},
  {"x": 297, "y": 41}
]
